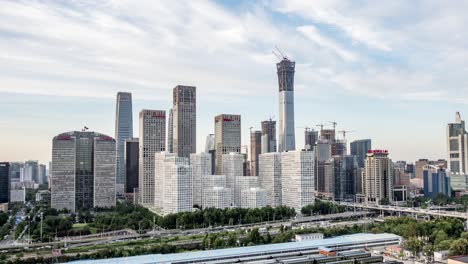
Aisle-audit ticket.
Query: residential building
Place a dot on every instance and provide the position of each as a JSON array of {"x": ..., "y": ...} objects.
[
  {"x": 201, "y": 167},
  {"x": 377, "y": 183},
  {"x": 31, "y": 171},
  {"x": 255, "y": 151},
  {"x": 268, "y": 136},
  {"x": 4, "y": 182},
  {"x": 328, "y": 135},
  {"x": 132, "y": 163},
  {"x": 42, "y": 174},
  {"x": 269, "y": 177},
  {"x": 243, "y": 183},
  {"x": 457, "y": 146},
  {"x": 286, "y": 138},
  {"x": 123, "y": 131},
  {"x": 227, "y": 138},
  {"x": 184, "y": 113},
  {"x": 436, "y": 181},
  {"x": 359, "y": 148},
  {"x": 152, "y": 140}
]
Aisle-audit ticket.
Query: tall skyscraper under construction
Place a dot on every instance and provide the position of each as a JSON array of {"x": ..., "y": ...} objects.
[{"x": 285, "y": 70}]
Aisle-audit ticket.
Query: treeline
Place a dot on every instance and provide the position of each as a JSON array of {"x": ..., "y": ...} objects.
[{"x": 322, "y": 207}]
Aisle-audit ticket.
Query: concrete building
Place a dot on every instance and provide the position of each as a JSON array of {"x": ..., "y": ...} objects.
[
  {"x": 184, "y": 120},
  {"x": 436, "y": 181},
  {"x": 123, "y": 131},
  {"x": 457, "y": 146},
  {"x": 310, "y": 139},
  {"x": 170, "y": 132},
  {"x": 297, "y": 173},
  {"x": 83, "y": 170},
  {"x": 217, "y": 197},
  {"x": 359, "y": 148},
  {"x": 243, "y": 183},
  {"x": 255, "y": 151},
  {"x": 268, "y": 136},
  {"x": 4, "y": 182},
  {"x": 400, "y": 177},
  {"x": 152, "y": 140},
  {"x": 173, "y": 175},
  {"x": 253, "y": 198},
  {"x": 18, "y": 195},
  {"x": 201, "y": 167},
  {"x": 286, "y": 138},
  {"x": 132, "y": 157},
  {"x": 339, "y": 147},
  {"x": 227, "y": 138},
  {"x": 377, "y": 183},
  {"x": 43, "y": 196},
  {"x": 328, "y": 135},
  {"x": 270, "y": 177},
  {"x": 459, "y": 182}
]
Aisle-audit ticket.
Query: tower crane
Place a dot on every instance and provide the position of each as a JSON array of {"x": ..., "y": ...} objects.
[
  {"x": 345, "y": 131},
  {"x": 333, "y": 123},
  {"x": 321, "y": 126},
  {"x": 280, "y": 55}
]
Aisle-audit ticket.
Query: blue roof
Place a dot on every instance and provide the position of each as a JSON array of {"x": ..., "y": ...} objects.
[{"x": 361, "y": 238}]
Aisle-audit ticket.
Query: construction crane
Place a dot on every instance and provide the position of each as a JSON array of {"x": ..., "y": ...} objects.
[
  {"x": 344, "y": 132},
  {"x": 333, "y": 123},
  {"x": 281, "y": 55},
  {"x": 321, "y": 126},
  {"x": 307, "y": 128}
]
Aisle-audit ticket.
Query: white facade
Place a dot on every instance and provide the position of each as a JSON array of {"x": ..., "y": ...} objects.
[
  {"x": 173, "y": 178},
  {"x": 152, "y": 140},
  {"x": 253, "y": 198},
  {"x": 243, "y": 183},
  {"x": 297, "y": 172},
  {"x": 217, "y": 197},
  {"x": 457, "y": 146},
  {"x": 377, "y": 182},
  {"x": 63, "y": 173},
  {"x": 312, "y": 236},
  {"x": 18, "y": 195},
  {"x": 104, "y": 172},
  {"x": 201, "y": 166},
  {"x": 270, "y": 177}
]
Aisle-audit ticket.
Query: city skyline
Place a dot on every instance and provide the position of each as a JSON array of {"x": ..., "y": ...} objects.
[{"x": 41, "y": 104}]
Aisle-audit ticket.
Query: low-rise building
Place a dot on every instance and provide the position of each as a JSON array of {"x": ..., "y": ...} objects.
[{"x": 311, "y": 236}]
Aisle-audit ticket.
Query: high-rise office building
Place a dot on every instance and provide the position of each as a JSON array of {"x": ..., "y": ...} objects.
[
  {"x": 285, "y": 71},
  {"x": 377, "y": 183},
  {"x": 436, "y": 181},
  {"x": 173, "y": 176},
  {"x": 269, "y": 177},
  {"x": 83, "y": 170},
  {"x": 201, "y": 167},
  {"x": 457, "y": 146},
  {"x": 123, "y": 131},
  {"x": 31, "y": 171},
  {"x": 310, "y": 139},
  {"x": 184, "y": 120},
  {"x": 322, "y": 155},
  {"x": 132, "y": 157},
  {"x": 255, "y": 150},
  {"x": 253, "y": 198},
  {"x": 170, "y": 132},
  {"x": 268, "y": 136},
  {"x": 359, "y": 148},
  {"x": 217, "y": 197},
  {"x": 227, "y": 138},
  {"x": 339, "y": 147},
  {"x": 42, "y": 174},
  {"x": 152, "y": 140},
  {"x": 297, "y": 172},
  {"x": 4, "y": 182},
  {"x": 210, "y": 148},
  {"x": 342, "y": 172}
]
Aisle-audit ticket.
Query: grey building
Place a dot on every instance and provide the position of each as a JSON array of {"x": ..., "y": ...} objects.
[
  {"x": 322, "y": 155},
  {"x": 31, "y": 171},
  {"x": 184, "y": 120},
  {"x": 255, "y": 150},
  {"x": 131, "y": 164},
  {"x": 285, "y": 71},
  {"x": 170, "y": 132},
  {"x": 268, "y": 136},
  {"x": 152, "y": 140},
  {"x": 342, "y": 172},
  {"x": 227, "y": 138},
  {"x": 83, "y": 170},
  {"x": 457, "y": 146},
  {"x": 359, "y": 148},
  {"x": 123, "y": 131},
  {"x": 310, "y": 139},
  {"x": 42, "y": 174},
  {"x": 4, "y": 182},
  {"x": 211, "y": 149}
]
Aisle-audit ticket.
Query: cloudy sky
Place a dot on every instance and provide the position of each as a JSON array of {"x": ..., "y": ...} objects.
[{"x": 394, "y": 71}]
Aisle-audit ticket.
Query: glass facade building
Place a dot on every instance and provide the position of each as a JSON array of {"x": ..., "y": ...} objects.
[{"x": 123, "y": 131}]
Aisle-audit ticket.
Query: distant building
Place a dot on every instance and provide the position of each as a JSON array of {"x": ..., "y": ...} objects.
[
  {"x": 253, "y": 198},
  {"x": 341, "y": 173},
  {"x": 43, "y": 196},
  {"x": 459, "y": 182},
  {"x": 310, "y": 139},
  {"x": 132, "y": 157},
  {"x": 201, "y": 167},
  {"x": 270, "y": 177},
  {"x": 184, "y": 120},
  {"x": 217, "y": 197},
  {"x": 457, "y": 146},
  {"x": 285, "y": 70},
  {"x": 4, "y": 182},
  {"x": 421, "y": 163},
  {"x": 31, "y": 171},
  {"x": 359, "y": 148},
  {"x": 436, "y": 181},
  {"x": 322, "y": 155},
  {"x": 268, "y": 136},
  {"x": 400, "y": 193},
  {"x": 83, "y": 170},
  {"x": 377, "y": 183},
  {"x": 152, "y": 140},
  {"x": 227, "y": 138},
  {"x": 210, "y": 148},
  {"x": 255, "y": 150},
  {"x": 339, "y": 147},
  {"x": 123, "y": 131},
  {"x": 170, "y": 132}
]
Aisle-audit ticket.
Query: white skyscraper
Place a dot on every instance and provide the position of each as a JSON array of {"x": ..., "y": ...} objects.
[
  {"x": 297, "y": 172},
  {"x": 253, "y": 198},
  {"x": 457, "y": 146},
  {"x": 201, "y": 166},
  {"x": 270, "y": 177},
  {"x": 217, "y": 197},
  {"x": 123, "y": 131},
  {"x": 285, "y": 70},
  {"x": 152, "y": 140},
  {"x": 104, "y": 172}
]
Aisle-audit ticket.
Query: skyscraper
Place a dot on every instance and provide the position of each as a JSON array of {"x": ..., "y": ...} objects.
[
  {"x": 310, "y": 139},
  {"x": 322, "y": 155},
  {"x": 4, "y": 182},
  {"x": 342, "y": 171},
  {"x": 270, "y": 177},
  {"x": 123, "y": 131},
  {"x": 83, "y": 170},
  {"x": 377, "y": 183},
  {"x": 152, "y": 140},
  {"x": 31, "y": 171},
  {"x": 184, "y": 120},
  {"x": 227, "y": 137},
  {"x": 255, "y": 150},
  {"x": 132, "y": 156},
  {"x": 457, "y": 146},
  {"x": 201, "y": 167},
  {"x": 170, "y": 132},
  {"x": 359, "y": 148},
  {"x": 436, "y": 181},
  {"x": 285, "y": 71},
  {"x": 268, "y": 136}
]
